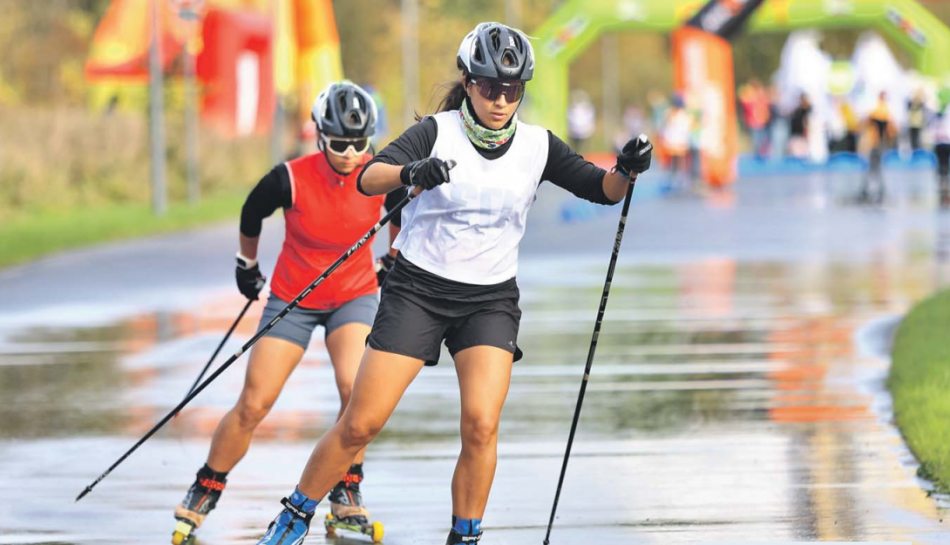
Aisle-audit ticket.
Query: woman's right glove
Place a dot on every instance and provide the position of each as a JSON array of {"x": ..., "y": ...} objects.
[
  {"x": 428, "y": 173},
  {"x": 250, "y": 281}
]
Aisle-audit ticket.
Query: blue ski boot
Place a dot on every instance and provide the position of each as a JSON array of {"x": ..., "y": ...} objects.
[
  {"x": 464, "y": 531},
  {"x": 293, "y": 523}
]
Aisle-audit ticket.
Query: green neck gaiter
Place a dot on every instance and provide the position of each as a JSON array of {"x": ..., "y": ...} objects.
[{"x": 483, "y": 137}]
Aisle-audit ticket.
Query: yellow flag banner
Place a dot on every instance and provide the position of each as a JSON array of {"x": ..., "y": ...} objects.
[{"x": 120, "y": 44}]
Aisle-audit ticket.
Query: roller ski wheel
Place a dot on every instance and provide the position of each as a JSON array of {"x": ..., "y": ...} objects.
[
  {"x": 359, "y": 525},
  {"x": 183, "y": 533}
]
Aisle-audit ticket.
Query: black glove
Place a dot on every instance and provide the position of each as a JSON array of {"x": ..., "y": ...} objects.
[
  {"x": 635, "y": 156},
  {"x": 383, "y": 266},
  {"x": 249, "y": 279},
  {"x": 427, "y": 173}
]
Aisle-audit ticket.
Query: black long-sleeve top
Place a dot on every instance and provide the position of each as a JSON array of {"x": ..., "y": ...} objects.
[{"x": 564, "y": 168}]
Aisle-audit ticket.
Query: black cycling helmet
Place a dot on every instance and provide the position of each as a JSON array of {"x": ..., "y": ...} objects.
[
  {"x": 493, "y": 50},
  {"x": 346, "y": 110}
]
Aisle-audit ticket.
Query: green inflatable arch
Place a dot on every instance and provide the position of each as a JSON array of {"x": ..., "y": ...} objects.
[{"x": 578, "y": 23}]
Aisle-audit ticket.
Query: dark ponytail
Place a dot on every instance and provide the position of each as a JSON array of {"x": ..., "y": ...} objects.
[{"x": 452, "y": 99}]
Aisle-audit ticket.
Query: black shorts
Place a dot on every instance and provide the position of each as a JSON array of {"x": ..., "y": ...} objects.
[{"x": 418, "y": 310}]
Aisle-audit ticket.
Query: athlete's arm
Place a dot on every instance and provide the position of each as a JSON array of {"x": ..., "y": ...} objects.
[
  {"x": 616, "y": 184},
  {"x": 568, "y": 170},
  {"x": 384, "y": 172},
  {"x": 273, "y": 191}
]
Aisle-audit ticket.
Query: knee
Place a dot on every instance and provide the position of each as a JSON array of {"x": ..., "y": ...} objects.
[
  {"x": 252, "y": 410},
  {"x": 356, "y": 433},
  {"x": 479, "y": 432}
]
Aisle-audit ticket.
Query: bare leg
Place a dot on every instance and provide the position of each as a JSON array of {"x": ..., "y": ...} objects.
[
  {"x": 346, "y": 346},
  {"x": 380, "y": 382},
  {"x": 272, "y": 361},
  {"x": 484, "y": 373}
]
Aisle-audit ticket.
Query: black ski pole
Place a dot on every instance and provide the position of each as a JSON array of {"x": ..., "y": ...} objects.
[
  {"x": 220, "y": 346},
  {"x": 590, "y": 355},
  {"x": 290, "y": 306}
]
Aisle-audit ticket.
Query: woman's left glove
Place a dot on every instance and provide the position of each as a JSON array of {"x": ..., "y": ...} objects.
[{"x": 635, "y": 156}]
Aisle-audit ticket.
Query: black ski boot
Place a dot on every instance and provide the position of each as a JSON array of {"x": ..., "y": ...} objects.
[
  {"x": 347, "y": 511},
  {"x": 199, "y": 501}
]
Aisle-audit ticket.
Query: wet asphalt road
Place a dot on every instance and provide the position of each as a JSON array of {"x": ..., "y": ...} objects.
[{"x": 737, "y": 393}]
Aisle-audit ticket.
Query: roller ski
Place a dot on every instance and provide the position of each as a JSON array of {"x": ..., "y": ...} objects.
[
  {"x": 199, "y": 501},
  {"x": 347, "y": 511}
]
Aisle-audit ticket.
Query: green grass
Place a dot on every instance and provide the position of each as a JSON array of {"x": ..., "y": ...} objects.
[
  {"x": 29, "y": 236},
  {"x": 920, "y": 383}
]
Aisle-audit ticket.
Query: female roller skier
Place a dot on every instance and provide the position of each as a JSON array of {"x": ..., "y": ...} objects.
[
  {"x": 454, "y": 278},
  {"x": 324, "y": 214}
]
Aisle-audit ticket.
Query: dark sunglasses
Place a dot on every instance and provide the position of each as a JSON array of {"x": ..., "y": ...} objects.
[
  {"x": 340, "y": 146},
  {"x": 491, "y": 89}
]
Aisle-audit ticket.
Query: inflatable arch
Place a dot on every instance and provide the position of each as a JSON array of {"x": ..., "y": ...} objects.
[{"x": 578, "y": 23}]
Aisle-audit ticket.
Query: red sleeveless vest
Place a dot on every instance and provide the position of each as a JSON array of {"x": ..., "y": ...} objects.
[{"x": 327, "y": 217}]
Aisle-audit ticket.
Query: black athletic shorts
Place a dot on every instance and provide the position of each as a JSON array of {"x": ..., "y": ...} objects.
[{"x": 418, "y": 310}]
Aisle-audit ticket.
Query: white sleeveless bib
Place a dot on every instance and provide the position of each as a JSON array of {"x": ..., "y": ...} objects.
[{"x": 469, "y": 229}]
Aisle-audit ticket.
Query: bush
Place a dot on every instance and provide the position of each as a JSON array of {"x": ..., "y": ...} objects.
[{"x": 60, "y": 159}]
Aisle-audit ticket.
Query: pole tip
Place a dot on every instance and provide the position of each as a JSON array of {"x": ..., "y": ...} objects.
[{"x": 83, "y": 493}]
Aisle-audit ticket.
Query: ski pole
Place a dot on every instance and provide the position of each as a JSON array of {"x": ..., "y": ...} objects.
[
  {"x": 220, "y": 346},
  {"x": 590, "y": 354},
  {"x": 290, "y": 306}
]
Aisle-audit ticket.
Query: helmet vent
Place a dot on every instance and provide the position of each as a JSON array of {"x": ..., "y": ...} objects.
[
  {"x": 478, "y": 54},
  {"x": 495, "y": 36},
  {"x": 509, "y": 59}
]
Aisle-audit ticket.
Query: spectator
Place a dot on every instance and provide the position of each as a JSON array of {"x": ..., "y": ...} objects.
[
  {"x": 581, "y": 119},
  {"x": 879, "y": 130},
  {"x": 941, "y": 133},
  {"x": 677, "y": 128},
  {"x": 916, "y": 118},
  {"x": 798, "y": 129},
  {"x": 658, "y": 108},
  {"x": 756, "y": 115}
]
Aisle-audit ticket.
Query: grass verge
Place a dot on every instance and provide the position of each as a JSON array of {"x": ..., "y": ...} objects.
[
  {"x": 31, "y": 236},
  {"x": 920, "y": 384}
]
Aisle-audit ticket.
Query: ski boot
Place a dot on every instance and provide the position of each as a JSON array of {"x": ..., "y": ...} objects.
[
  {"x": 464, "y": 531},
  {"x": 293, "y": 523},
  {"x": 199, "y": 501},
  {"x": 346, "y": 508},
  {"x": 455, "y": 538}
]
